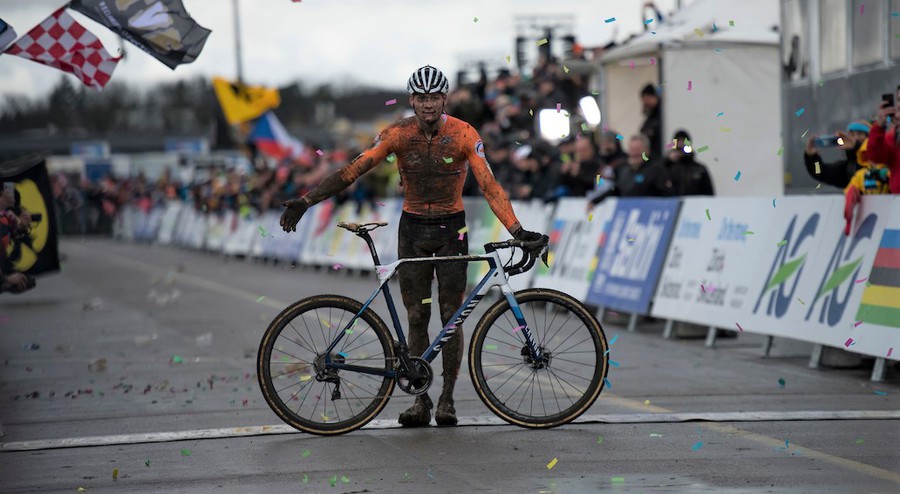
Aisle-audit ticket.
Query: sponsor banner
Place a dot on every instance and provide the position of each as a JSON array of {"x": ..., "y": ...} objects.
[
  {"x": 575, "y": 238},
  {"x": 320, "y": 247},
  {"x": 386, "y": 237},
  {"x": 266, "y": 231},
  {"x": 217, "y": 227},
  {"x": 631, "y": 257},
  {"x": 786, "y": 270},
  {"x": 241, "y": 238},
  {"x": 169, "y": 221},
  {"x": 483, "y": 227},
  {"x": 879, "y": 308}
]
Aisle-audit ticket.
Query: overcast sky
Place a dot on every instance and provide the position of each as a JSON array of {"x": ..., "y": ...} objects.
[{"x": 371, "y": 42}]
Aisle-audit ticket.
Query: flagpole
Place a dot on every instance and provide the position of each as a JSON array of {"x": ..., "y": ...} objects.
[{"x": 237, "y": 42}]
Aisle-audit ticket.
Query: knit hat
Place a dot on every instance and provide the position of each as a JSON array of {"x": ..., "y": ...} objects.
[
  {"x": 648, "y": 90},
  {"x": 859, "y": 126}
]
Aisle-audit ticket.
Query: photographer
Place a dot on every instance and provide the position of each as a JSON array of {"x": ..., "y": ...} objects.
[
  {"x": 839, "y": 173},
  {"x": 882, "y": 146},
  {"x": 12, "y": 227}
]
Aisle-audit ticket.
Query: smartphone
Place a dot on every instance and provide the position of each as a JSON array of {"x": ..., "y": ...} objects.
[
  {"x": 828, "y": 141},
  {"x": 887, "y": 100},
  {"x": 36, "y": 217}
]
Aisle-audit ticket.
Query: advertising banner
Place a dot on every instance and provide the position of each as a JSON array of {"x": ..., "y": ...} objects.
[
  {"x": 632, "y": 255},
  {"x": 575, "y": 238},
  {"x": 169, "y": 221},
  {"x": 782, "y": 269}
]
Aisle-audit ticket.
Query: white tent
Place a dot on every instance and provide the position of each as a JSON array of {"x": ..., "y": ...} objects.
[{"x": 706, "y": 67}]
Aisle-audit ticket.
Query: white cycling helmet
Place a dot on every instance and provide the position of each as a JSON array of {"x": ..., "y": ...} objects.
[{"x": 427, "y": 80}]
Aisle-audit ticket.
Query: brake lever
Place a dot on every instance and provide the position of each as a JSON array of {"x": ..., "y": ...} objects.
[{"x": 545, "y": 252}]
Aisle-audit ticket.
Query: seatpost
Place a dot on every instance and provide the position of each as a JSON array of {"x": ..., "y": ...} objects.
[{"x": 365, "y": 236}]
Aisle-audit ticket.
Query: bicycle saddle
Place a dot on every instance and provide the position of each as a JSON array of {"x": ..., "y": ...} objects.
[{"x": 355, "y": 227}]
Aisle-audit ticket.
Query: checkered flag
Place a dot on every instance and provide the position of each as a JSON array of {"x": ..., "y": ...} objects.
[{"x": 62, "y": 43}]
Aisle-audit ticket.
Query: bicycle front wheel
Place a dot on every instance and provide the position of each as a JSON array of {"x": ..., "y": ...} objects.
[
  {"x": 290, "y": 365},
  {"x": 542, "y": 394}
]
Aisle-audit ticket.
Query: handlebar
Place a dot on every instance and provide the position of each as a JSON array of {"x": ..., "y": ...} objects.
[{"x": 529, "y": 248}]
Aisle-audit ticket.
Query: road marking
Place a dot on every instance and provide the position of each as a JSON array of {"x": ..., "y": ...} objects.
[{"x": 484, "y": 420}]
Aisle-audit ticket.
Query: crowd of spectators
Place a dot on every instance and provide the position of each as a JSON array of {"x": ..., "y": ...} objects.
[{"x": 594, "y": 163}]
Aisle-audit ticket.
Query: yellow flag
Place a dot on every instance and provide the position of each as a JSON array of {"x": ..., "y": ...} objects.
[{"x": 241, "y": 103}]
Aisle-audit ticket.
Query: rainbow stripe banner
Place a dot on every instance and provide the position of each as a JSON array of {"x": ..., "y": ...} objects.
[{"x": 881, "y": 300}]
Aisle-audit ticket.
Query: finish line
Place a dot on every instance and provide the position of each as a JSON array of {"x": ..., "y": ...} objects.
[{"x": 265, "y": 430}]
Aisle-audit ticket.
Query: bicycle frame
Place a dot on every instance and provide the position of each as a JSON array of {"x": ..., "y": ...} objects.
[{"x": 494, "y": 277}]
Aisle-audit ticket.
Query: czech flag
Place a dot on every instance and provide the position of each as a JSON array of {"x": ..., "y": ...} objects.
[{"x": 273, "y": 140}]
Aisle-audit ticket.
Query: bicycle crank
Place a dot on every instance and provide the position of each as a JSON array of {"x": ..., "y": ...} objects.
[{"x": 417, "y": 379}]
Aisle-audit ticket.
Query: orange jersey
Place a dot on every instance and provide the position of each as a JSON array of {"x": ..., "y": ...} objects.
[{"x": 432, "y": 171}]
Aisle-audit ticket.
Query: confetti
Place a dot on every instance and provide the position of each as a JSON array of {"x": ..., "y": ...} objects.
[
  {"x": 391, "y": 157},
  {"x": 859, "y": 441},
  {"x": 890, "y": 351},
  {"x": 631, "y": 64},
  {"x": 881, "y": 393},
  {"x": 690, "y": 85},
  {"x": 337, "y": 266},
  {"x": 739, "y": 327},
  {"x": 565, "y": 69},
  {"x": 646, "y": 402},
  {"x": 803, "y": 135},
  {"x": 475, "y": 20},
  {"x": 430, "y": 476},
  {"x": 720, "y": 114},
  {"x": 697, "y": 446},
  {"x": 599, "y": 439},
  {"x": 147, "y": 463},
  {"x": 786, "y": 444},
  {"x": 344, "y": 479},
  {"x": 862, "y": 8},
  {"x": 800, "y": 111},
  {"x": 613, "y": 340},
  {"x": 379, "y": 203},
  {"x": 779, "y": 244},
  {"x": 305, "y": 378},
  {"x": 818, "y": 168},
  {"x": 591, "y": 217},
  {"x": 731, "y": 23},
  {"x": 611, "y": 19},
  {"x": 848, "y": 342},
  {"x": 857, "y": 324},
  {"x": 702, "y": 149},
  {"x": 613, "y": 363},
  {"x": 462, "y": 231},
  {"x": 426, "y": 300},
  {"x": 185, "y": 452},
  {"x": 781, "y": 382},
  {"x": 708, "y": 217},
  {"x": 306, "y": 453},
  {"x": 542, "y": 41},
  {"x": 305, "y": 478},
  {"x": 645, "y": 157},
  {"x": 652, "y": 60},
  {"x": 320, "y": 152},
  {"x": 738, "y": 176},
  {"x": 780, "y": 151},
  {"x": 698, "y": 32},
  {"x": 725, "y": 129},
  {"x": 617, "y": 480},
  {"x": 115, "y": 474},
  {"x": 517, "y": 328},
  {"x": 748, "y": 232},
  {"x": 508, "y": 58},
  {"x": 801, "y": 301},
  {"x": 607, "y": 383},
  {"x": 702, "y": 289},
  {"x": 558, "y": 107},
  {"x": 81, "y": 489},
  {"x": 177, "y": 359},
  {"x": 862, "y": 280},
  {"x": 333, "y": 480},
  {"x": 552, "y": 463},
  {"x": 773, "y": 202},
  {"x": 390, "y": 102},
  {"x": 260, "y": 299},
  {"x": 654, "y": 434},
  {"x": 619, "y": 137},
  {"x": 490, "y": 347},
  {"x": 647, "y": 21}
]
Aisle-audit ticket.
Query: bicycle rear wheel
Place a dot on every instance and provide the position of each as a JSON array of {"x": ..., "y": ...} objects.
[
  {"x": 290, "y": 365},
  {"x": 546, "y": 394}
]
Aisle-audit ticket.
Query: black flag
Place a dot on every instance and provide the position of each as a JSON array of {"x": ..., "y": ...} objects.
[
  {"x": 162, "y": 28},
  {"x": 35, "y": 251}
]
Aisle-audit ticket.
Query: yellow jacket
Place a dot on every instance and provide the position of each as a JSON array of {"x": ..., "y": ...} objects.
[{"x": 869, "y": 172}]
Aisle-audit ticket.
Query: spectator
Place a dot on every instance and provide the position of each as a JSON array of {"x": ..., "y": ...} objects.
[
  {"x": 840, "y": 172},
  {"x": 652, "y": 127},
  {"x": 882, "y": 145},
  {"x": 13, "y": 225},
  {"x": 611, "y": 156},
  {"x": 689, "y": 177},
  {"x": 577, "y": 175},
  {"x": 638, "y": 177}
]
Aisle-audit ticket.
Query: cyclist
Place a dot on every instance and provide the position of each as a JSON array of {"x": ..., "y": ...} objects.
[{"x": 432, "y": 152}]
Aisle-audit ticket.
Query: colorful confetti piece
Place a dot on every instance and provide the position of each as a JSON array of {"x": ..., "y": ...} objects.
[
  {"x": 565, "y": 69},
  {"x": 558, "y": 107},
  {"x": 391, "y": 157},
  {"x": 725, "y": 129},
  {"x": 731, "y": 23},
  {"x": 475, "y": 20},
  {"x": 490, "y": 347},
  {"x": 306, "y": 453},
  {"x": 890, "y": 351},
  {"x": 611, "y": 19},
  {"x": 720, "y": 114},
  {"x": 645, "y": 157},
  {"x": 690, "y": 85},
  {"x": 147, "y": 463},
  {"x": 508, "y": 58},
  {"x": 552, "y": 463},
  {"x": 345, "y": 479},
  {"x": 448, "y": 160},
  {"x": 780, "y": 151},
  {"x": 619, "y": 137},
  {"x": 517, "y": 328},
  {"x": 260, "y": 299},
  {"x": 599, "y": 439},
  {"x": 390, "y": 102},
  {"x": 708, "y": 217},
  {"x": 337, "y": 266},
  {"x": 848, "y": 342},
  {"x": 115, "y": 474},
  {"x": 426, "y": 300},
  {"x": 542, "y": 41},
  {"x": 859, "y": 441},
  {"x": 800, "y": 111},
  {"x": 748, "y": 232},
  {"x": 617, "y": 480},
  {"x": 801, "y": 301},
  {"x": 738, "y": 176},
  {"x": 177, "y": 359},
  {"x": 698, "y": 32},
  {"x": 697, "y": 446},
  {"x": 185, "y": 452},
  {"x": 613, "y": 363},
  {"x": 781, "y": 382},
  {"x": 320, "y": 152},
  {"x": 773, "y": 202},
  {"x": 779, "y": 244},
  {"x": 739, "y": 327},
  {"x": 646, "y": 402},
  {"x": 702, "y": 149},
  {"x": 613, "y": 340},
  {"x": 647, "y": 21},
  {"x": 607, "y": 383},
  {"x": 862, "y": 280},
  {"x": 857, "y": 324},
  {"x": 881, "y": 393}
]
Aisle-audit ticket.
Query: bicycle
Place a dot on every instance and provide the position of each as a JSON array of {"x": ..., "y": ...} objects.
[{"x": 356, "y": 363}]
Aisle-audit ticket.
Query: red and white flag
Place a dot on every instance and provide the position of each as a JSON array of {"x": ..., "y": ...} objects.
[{"x": 63, "y": 43}]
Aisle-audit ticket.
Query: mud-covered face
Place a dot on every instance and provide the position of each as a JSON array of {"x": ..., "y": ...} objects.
[{"x": 428, "y": 107}]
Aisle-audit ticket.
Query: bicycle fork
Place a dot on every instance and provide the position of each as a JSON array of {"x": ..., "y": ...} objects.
[{"x": 534, "y": 355}]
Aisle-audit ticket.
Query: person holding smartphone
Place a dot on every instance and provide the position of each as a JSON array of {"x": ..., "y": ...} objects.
[
  {"x": 840, "y": 173},
  {"x": 883, "y": 140}
]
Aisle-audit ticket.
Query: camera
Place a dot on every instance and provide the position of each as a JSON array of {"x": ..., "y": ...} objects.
[{"x": 828, "y": 141}]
